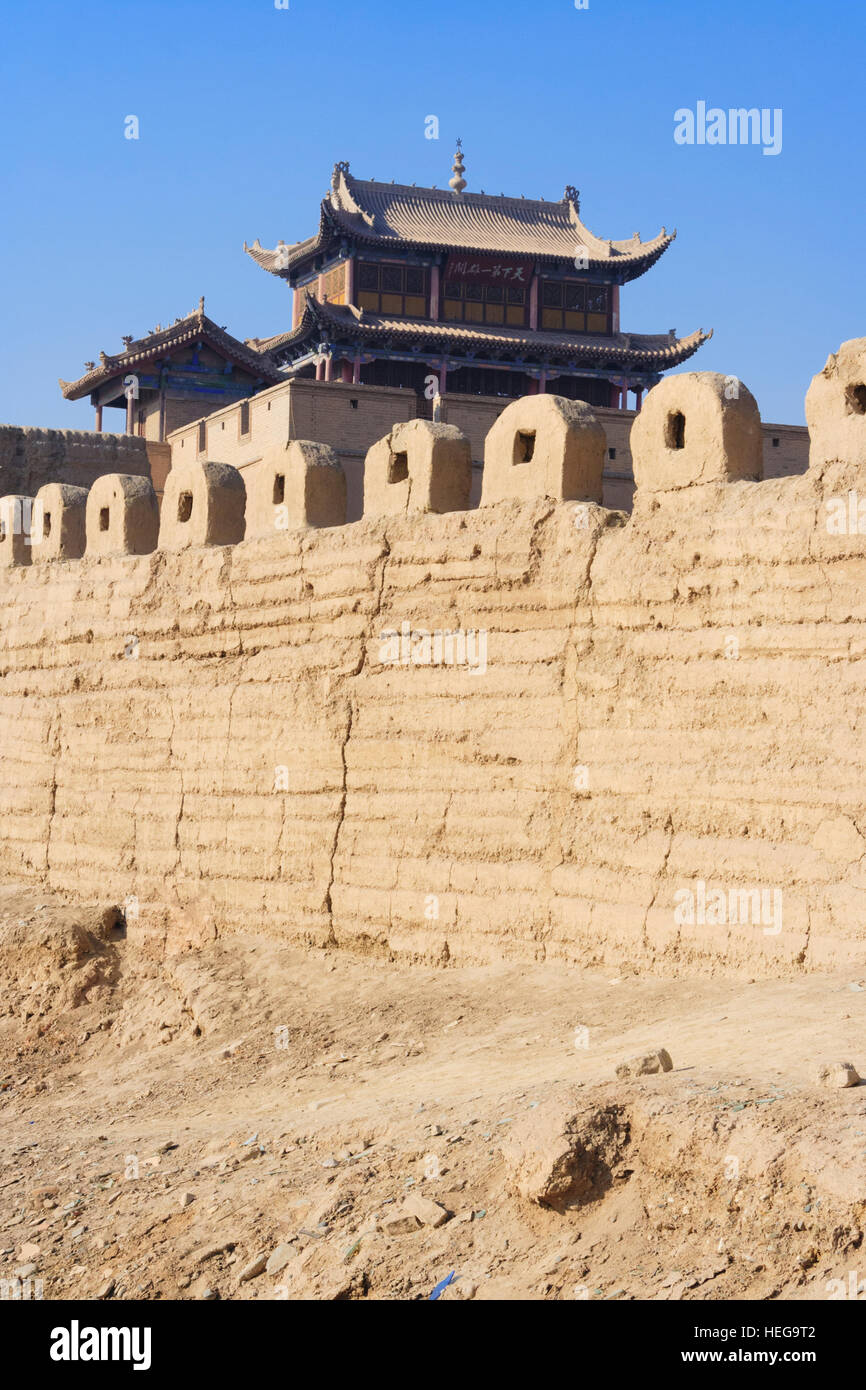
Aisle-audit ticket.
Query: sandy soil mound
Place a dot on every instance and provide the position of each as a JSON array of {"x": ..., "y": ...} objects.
[{"x": 253, "y": 1121}]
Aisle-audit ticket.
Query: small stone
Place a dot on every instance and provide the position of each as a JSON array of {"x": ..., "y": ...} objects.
[
  {"x": 429, "y": 1213},
  {"x": 29, "y": 1251},
  {"x": 208, "y": 1295},
  {"x": 400, "y": 1223},
  {"x": 107, "y": 1289},
  {"x": 645, "y": 1064},
  {"x": 251, "y": 1270},
  {"x": 208, "y": 1252},
  {"x": 836, "y": 1075},
  {"x": 26, "y": 1271},
  {"x": 187, "y": 1199},
  {"x": 279, "y": 1258}
]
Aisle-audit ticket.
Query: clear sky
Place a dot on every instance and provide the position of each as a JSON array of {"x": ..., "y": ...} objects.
[{"x": 243, "y": 109}]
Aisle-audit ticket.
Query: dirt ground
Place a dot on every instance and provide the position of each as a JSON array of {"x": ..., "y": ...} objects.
[{"x": 171, "y": 1124}]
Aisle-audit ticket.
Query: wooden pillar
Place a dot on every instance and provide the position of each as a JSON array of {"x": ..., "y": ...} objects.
[
  {"x": 638, "y": 397},
  {"x": 130, "y": 412},
  {"x": 320, "y": 369},
  {"x": 329, "y": 367},
  {"x": 542, "y": 384},
  {"x": 614, "y": 396},
  {"x": 350, "y": 280},
  {"x": 533, "y": 303},
  {"x": 615, "y": 314},
  {"x": 434, "y": 292},
  {"x": 443, "y": 376},
  {"x": 99, "y": 418},
  {"x": 346, "y": 371},
  {"x": 356, "y": 369}
]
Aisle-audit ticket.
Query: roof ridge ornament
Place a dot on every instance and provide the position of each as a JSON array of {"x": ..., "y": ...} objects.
[
  {"x": 572, "y": 195},
  {"x": 341, "y": 167},
  {"x": 457, "y": 183}
]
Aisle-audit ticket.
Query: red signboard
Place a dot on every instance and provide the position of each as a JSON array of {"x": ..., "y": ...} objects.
[{"x": 489, "y": 270}]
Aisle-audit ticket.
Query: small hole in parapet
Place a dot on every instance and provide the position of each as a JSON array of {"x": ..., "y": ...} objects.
[
  {"x": 398, "y": 468},
  {"x": 279, "y": 488},
  {"x": 103, "y": 518},
  {"x": 184, "y": 506},
  {"x": 46, "y": 524},
  {"x": 855, "y": 397},
  {"x": 524, "y": 446},
  {"x": 675, "y": 430}
]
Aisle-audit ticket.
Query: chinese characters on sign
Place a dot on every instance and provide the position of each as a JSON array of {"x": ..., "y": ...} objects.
[{"x": 485, "y": 270}]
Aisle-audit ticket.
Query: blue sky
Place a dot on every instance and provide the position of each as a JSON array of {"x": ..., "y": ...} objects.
[{"x": 244, "y": 108}]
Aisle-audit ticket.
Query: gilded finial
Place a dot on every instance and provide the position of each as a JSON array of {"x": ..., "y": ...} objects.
[{"x": 457, "y": 182}]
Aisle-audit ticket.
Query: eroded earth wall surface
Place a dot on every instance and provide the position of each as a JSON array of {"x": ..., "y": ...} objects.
[{"x": 648, "y": 723}]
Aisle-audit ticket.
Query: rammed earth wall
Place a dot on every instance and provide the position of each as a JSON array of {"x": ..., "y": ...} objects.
[
  {"x": 31, "y": 457},
  {"x": 227, "y": 738}
]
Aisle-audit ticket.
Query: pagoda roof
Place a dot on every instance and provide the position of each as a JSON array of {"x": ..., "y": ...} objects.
[
  {"x": 195, "y": 327},
  {"x": 337, "y": 322},
  {"x": 392, "y": 215}
]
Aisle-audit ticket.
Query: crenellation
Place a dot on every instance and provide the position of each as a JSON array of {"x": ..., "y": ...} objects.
[
  {"x": 15, "y": 520},
  {"x": 836, "y": 408},
  {"x": 544, "y": 446},
  {"x": 418, "y": 467},
  {"x": 696, "y": 429},
  {"x": 122, "y": 517},
  {"x": 203, "y": 504},
  {"x": 58, "y": 529},
  {"x": 297, "y": 485}
]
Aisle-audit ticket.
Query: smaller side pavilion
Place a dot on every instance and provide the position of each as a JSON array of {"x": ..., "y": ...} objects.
[{"x": 173, "y": 375}]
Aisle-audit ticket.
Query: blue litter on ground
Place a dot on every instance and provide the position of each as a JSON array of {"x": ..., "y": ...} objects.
[{"x": 441, "y": 1286}]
